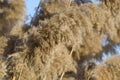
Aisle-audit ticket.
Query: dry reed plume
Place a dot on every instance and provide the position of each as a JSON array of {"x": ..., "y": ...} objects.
[
  {"x": 11, "y": 13},
  {"x": 60, "y": 42},
  {"x": 107, "y": 70}
]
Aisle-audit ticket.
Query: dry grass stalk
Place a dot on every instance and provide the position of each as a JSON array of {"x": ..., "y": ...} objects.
[{"x": 63, "y": 71}]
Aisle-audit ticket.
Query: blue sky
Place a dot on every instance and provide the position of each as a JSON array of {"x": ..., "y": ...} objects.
[
  {"x": 30, "y": 7},
  {"x": 96, "y": 1}
]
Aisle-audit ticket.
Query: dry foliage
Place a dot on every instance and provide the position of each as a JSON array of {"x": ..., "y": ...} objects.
[
  {"x": 106, "y": 70},
  {"x": 60, "y": 42},
  {"x": 11, "y": 12},
  {"x": 2, "y": 68},
  {"x": 3, "y": 44}
]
